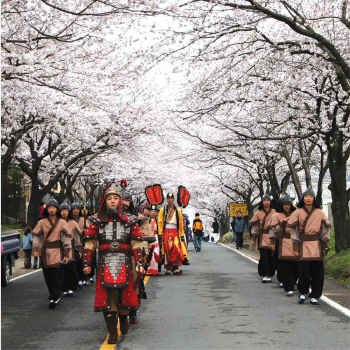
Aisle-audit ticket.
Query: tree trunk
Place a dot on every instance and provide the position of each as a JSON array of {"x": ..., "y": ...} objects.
[
  {"x": 294, "y": 174},
  {"x": 34, "y": 206},
  {"x": 340, "y": 196}
]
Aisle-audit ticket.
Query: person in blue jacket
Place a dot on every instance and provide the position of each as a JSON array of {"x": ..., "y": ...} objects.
[{"x": 239, "y": 227}]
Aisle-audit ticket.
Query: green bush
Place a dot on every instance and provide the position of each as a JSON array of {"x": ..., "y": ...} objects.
[
  {"x": 5, "y": 228},
  {"x": 227, "y": 237},
  {"x": 337, "y": 266}
]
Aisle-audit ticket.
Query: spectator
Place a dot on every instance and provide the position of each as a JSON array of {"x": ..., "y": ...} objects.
[
  {"x": 232, "y": 224},
  {"x": 206, "y": 234},
  {"x": 42, "y": 208},
  {"x": 239, "y": 227},
  {"x": 27, "y": 243},
  {"x": 215, "y": 225},
  {"x": 198, "y": 233}
]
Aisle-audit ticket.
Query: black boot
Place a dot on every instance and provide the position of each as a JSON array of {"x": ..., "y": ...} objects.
[
  {"x": 111, "y": 322},
  {"x": 124, "y": 324}
]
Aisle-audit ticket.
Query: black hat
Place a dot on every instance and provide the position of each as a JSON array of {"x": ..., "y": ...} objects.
[
  {"x": 75, "y": 205},
  {"x": 286, "y": 199},
  {"x": 154, "y": 207},
  {"x": 309, "y": 191},
  {"x": 170, "y": 195},
  {"x": 266, "y": 196},
  {"x": 52, "y": 203},
  {"x": 197, "y": 214},
  {"x": 64, "y": 206}
]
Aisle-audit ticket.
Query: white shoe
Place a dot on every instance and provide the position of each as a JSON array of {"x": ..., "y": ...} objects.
[
  {"x": 281, "y": 285},
  {"x": 84, "y": 283},
  {"x": 268, "y": 280},
  {"x": 302, "y": 298},
  {"x": 70, "y": 293},
  {"x": 264, "y": 280},
  {"x": 290, "y": 293},
  {"x": 64, "y": 294},
  {"x": 314, "y": 301},
  {"x": 80, "y": 284}
]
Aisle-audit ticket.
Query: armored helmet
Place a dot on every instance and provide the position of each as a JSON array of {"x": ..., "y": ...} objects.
[
  {"x": 75, "y": 205},
  {"x": 266, "y": 196},
  {"x": 64, "y": 206},
  {"x": 286, "y": 199},
  {"x": 52, "y": 203},
  {"x": 309, "y": 191},
  {"x": 113, "y": 189}
]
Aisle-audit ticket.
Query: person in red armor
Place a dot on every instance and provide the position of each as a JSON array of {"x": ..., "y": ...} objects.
[{"x": 115, "y": 293}]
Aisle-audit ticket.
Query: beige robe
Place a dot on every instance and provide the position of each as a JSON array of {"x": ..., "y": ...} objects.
[
  {"x": 83, "y": 224},
  {"x": 310, "y": 233},
  {"x": 277, "y": 231},
  {"x": 260, "y": 224},
  {"x": 54, "y": 247},
  {"x": 76, "y": 238}
]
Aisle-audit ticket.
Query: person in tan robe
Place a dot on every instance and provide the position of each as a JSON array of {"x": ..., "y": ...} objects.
[
  {"x": 260, "y": 224},
  {"x": 52, "y": 242},
  {"x": 84, "y": 222},
  {"x": 287, "y": 263},
  {"x": 83, "y": 225},
  {"x": 71, "y": 278},
  {"x": 310, "y": 233}
]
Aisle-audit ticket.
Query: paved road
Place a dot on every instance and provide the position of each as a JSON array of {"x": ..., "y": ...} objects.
[{"x": 218, "y": 303}]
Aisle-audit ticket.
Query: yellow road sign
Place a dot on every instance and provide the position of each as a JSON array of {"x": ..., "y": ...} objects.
[{"x": 235, "y": 207}]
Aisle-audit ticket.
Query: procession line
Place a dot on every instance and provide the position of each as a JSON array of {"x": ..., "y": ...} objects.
[
  {"x": 325, "y": 299},
  {"x": 105, "y": 345}
]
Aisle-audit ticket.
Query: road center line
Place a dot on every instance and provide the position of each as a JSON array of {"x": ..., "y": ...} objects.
[{"x": 105, "y": 345}]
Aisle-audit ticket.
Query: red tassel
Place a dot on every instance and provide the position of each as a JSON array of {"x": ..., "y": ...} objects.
[{"x": 123, "y": 183}]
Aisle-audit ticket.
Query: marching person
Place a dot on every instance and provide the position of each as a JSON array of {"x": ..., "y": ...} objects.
[
  {"x": 288, "y": 264},
  {"x": 197, "y": 228},
  {"x": 310, "y": 233},
  {"x": 71, "y": 278},
  {"x": 171, "y": 236},
  {"x": 112, "y": 234},
  {"x": 187, "y": 223},
  {"x": 260, "y": 224},
  {"x": 153, "y": 269},
  {"x": 84, "y": 223},
  {"x": 148, "y": 236},
  {"x": 75, "y": 214},
  {"x": 52, "y": 242}
]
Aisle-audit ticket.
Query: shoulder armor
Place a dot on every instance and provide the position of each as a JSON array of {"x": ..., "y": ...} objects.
[{"x": 92, "y": 231}]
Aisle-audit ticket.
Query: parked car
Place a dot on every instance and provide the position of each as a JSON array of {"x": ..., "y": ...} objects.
[{"x": 10, "y": 246}]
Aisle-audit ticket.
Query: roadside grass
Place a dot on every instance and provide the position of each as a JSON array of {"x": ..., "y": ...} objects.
[
  {"x": 5, "y": 228},
  {"x": 337, "y": 265},
  {"x": 12, "y": 228}
]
